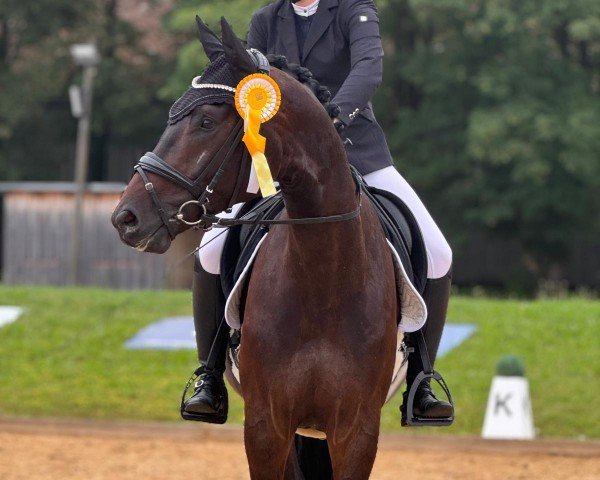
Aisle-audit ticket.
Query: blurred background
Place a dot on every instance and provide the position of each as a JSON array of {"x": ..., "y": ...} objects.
[
  {"x": 491, "y": 108},
  {"x": 492, "y": 112}
]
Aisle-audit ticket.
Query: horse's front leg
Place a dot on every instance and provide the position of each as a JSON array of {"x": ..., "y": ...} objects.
[
  {"x": 270, "y": 451},
  {"x": 353, "y": 450},
  {"x": 268, "y": 427}
]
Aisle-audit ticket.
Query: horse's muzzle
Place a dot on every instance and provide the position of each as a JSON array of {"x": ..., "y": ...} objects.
[{"x": 153, "y": 239}]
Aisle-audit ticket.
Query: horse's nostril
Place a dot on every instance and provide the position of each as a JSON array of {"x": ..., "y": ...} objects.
[
  {"x": 127, "y": 218},
  {"x": 130, "y": 218}
]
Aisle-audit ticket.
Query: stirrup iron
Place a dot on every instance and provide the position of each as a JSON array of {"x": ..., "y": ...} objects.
[
  {"x": 219, "y": 418},
  {"x": 427, "y": 374}
]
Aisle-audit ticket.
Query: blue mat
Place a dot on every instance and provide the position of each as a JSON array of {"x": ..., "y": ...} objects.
[
  {"x": 171, "y": 333},
  {"x": 454, "y": 334},
  {"x": 175, "y": 333}
]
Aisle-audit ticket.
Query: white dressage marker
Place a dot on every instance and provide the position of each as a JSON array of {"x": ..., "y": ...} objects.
[
  {"x": 9, "y": 314},
  {"x": 508, "y": 414}
]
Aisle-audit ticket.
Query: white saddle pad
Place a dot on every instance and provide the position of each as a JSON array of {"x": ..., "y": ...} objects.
[{"x": 413, "y": 313}]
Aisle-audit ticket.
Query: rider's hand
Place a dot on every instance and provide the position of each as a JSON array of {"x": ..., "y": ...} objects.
[{"x": 340, "y": 126}]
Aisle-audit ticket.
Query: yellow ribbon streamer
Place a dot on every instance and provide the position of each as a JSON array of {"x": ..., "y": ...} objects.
[{"x": 256, "y": 143}]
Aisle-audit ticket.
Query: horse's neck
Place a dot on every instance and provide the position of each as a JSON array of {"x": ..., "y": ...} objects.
[
  {"x": 316, "y": 182},
  {"x": 315, "y": 179}
]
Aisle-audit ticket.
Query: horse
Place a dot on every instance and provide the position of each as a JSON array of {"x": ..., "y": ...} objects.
[{"x": 319, "y": 332}]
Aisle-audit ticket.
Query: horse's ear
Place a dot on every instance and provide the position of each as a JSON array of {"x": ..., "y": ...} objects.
[
  {"x": 210, "y": 42},
  {"x": 235, "y": 52}
]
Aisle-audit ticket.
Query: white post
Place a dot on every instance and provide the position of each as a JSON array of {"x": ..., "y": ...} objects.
[
  {"x": 85, "y": 55},
  {"x": 508, "y": 414}
]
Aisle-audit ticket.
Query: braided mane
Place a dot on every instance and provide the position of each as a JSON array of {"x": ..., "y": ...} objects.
[{"x": 305, "y": 76}]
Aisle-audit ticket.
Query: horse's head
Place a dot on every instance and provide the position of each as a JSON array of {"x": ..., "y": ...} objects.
[{"x": 202, "y": 137}]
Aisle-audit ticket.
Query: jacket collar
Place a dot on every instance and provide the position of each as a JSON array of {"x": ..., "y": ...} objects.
[
  {"x": 324, "y": 16},
  {"x": 287, "y": 31}
]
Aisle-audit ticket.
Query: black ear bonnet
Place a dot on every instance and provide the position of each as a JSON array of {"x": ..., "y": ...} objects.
[{"x": 218, "y": 72}]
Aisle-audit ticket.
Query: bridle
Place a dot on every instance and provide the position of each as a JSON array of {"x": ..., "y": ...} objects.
[{"x": 152, "y": 163}]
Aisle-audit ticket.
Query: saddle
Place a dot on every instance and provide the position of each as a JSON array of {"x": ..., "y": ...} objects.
[{"x": 398, "y": 223}]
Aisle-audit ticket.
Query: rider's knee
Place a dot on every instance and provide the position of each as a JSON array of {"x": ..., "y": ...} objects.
[
  {"x": 197, "y": 265},
  {"x": 440, "y": 259},
  {"x": 210, "y": 260}
]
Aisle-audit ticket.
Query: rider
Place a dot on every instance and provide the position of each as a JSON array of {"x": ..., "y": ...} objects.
[{"x": 340, "y": 43}]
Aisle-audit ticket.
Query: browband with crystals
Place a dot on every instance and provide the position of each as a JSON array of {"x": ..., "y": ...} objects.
[{"x": 196, "y": 84}]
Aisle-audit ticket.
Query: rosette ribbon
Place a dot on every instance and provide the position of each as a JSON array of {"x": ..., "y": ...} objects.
[{"x": 257, "y": 99}]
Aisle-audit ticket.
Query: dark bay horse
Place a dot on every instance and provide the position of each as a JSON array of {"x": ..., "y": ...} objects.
[{"x": 320, "y": 318}]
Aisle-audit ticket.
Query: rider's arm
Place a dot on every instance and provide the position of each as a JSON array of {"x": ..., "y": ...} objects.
[
  {"x": 360, "y": 23},
  {"x": 257, "y": 37}
]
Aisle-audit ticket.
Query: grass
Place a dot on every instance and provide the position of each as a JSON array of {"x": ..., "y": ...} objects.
[
  {"x": 559, "y": 343},
  {"x": 65, "y": 358}
]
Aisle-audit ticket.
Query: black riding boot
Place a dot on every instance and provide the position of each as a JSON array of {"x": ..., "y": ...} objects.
[
  {"x": 209, "y": 401},
  {"x": 436, "y": 296}
]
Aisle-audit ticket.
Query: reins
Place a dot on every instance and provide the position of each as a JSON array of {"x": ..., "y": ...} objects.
[{"x": 230, "y": 222}]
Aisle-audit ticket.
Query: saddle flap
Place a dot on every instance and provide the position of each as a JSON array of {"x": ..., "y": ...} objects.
[{"x": 403, "y": 232}]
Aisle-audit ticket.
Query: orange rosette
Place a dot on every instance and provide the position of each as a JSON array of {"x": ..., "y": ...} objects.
[{"x": 257, "y": 100}]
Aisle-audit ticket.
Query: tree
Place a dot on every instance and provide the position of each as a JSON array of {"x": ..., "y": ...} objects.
[
  {"x": 493, "y": 113},
  {"x": 191, "y": 60},
  {"x": 36, "y": 128},
  {"x": 28, "y": 74}
]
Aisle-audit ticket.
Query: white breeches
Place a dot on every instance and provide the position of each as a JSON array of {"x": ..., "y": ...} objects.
[{"x": 439, "y": 254}]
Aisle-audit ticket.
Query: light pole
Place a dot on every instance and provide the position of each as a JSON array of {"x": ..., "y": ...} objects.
[{"x": 85, "y": 55}]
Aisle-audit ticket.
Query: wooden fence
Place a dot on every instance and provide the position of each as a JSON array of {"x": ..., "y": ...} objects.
[
  {"x": 36, "y": 245},
  {"x": 35, "y": 239}
]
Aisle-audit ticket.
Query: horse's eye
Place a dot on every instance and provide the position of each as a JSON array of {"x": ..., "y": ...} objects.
[{"x": 207, "y": 124}]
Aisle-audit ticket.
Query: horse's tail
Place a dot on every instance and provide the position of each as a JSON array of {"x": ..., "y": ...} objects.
[{"x": 313, "y": 457}]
